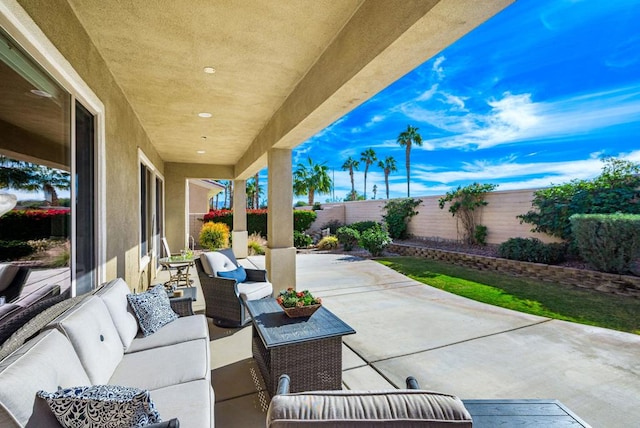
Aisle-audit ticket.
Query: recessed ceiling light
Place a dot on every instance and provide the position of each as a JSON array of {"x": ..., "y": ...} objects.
[
  {"x": 204, "y": 114},
  {"x": 201, "y": 152},
  {"x": 40, "y": 93},
  {"x": 209, "y": 70}
]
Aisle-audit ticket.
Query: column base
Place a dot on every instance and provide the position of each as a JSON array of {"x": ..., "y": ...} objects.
[
  {"x": 281, "y": 268},
  {"x": 239, "y": 242}
]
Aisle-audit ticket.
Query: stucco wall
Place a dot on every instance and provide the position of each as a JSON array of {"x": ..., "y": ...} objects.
[
  {"x": 499, "y": 216},
  {"x": 124, "y": 134}
]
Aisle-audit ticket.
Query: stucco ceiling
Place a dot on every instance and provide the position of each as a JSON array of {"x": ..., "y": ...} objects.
[{"x": 283, "y": 69}]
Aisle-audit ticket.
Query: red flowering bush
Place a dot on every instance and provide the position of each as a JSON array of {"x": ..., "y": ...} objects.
[{"x": 34, "y": 224}]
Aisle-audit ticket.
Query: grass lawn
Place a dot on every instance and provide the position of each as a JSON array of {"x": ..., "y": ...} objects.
[{"x": 525, "y": 295}]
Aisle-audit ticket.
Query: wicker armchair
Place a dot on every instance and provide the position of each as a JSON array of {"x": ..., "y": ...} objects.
[{"x": 223, "y": 296}]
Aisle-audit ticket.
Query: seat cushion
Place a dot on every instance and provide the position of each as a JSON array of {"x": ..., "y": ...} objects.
[
  {"x": 216, "y": 261},
  {"x": 397, "y": 408},
  {"x": 152, "y": 309},
  {"x": 254, "y": 290},
  {"x": 191, "y": 402},
  {"x": 114, "y": 295},
  {"x": 102, "y": 406},
  {"x": 164, "y": 366},
  {"x": 94, "y": 337},
  {"x": 46, "y": 362},
  {"x": 181, "y": 330}
]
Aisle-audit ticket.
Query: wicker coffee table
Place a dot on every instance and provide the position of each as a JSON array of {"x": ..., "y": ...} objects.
[{"x": 308, "y": 349}]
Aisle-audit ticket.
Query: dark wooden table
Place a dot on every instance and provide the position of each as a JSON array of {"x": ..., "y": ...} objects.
[
  {"x": 522, "y": 413},
  {"x": 308, "y": 349}
]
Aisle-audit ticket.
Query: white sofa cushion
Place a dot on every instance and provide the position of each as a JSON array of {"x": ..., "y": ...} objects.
[
  {"x": 187, "y": 403},
  {"x": 114, "y": 295},
  {"x": 94, "y": 337},
  {"x": 181, "y": 330},
  {"x": 164, "y": 366},
  {"x": 254, "y": 290},
  {"x": 214, "y": 261},
  {"x": 8, "y": 271},
  {"x": 45, "y": 362}
]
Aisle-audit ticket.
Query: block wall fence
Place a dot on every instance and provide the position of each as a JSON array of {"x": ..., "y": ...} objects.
[{"x": 432, "y": 222}]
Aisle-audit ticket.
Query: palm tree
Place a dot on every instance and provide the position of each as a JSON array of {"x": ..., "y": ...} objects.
[
  {"x": 368, "y": 157},
  {"x": 375, "y": 190},
  {"x": 310, "y": 178},
  {"x": 21, "y": 175},
  {"x": 350, "y": 164},
  {"x": 388, "y": 166},
  {"x": 406, "y": 139},
  {"x": 256, "y": 181},
  {"x": 254, "y": 191}
]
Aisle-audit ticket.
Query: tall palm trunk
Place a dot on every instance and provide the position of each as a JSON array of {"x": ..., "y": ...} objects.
[
  {"x": 312, "y": 193},
  {"x": 386, "y": 181},
  {"x": 256, "y": 203},
  {"x": 408, "y": 162}
]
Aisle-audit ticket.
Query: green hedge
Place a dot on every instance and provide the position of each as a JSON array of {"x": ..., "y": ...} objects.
[
  {"x": 609, "y": 242},
  {"x": 532, "y": 250},
  {"x": 257, "y": 219},
  {"x": 14, "y": 250},
  {"x": 25, "y": 225}
]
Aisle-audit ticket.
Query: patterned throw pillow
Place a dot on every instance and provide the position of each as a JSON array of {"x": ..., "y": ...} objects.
[
  {"x": 152, "y": 309},
  {"x": 108, "y": 406},
  {"x": 239, "y": 274}
]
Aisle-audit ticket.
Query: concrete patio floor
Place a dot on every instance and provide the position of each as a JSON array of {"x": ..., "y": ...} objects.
[{"x": 450, "y": 344}]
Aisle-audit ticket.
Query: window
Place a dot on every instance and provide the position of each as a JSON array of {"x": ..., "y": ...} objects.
[{"x": 151, "y": 212}]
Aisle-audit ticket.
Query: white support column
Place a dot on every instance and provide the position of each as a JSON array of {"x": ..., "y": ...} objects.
[
  {"x": 239, "y": 235},
  {"x": 280, "y": 254}
]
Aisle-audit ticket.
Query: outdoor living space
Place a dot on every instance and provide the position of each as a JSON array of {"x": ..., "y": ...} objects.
[{"x": 449, "y": 343}]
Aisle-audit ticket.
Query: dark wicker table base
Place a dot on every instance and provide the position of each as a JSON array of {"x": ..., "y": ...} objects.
[{"x": 313, "y": 366}]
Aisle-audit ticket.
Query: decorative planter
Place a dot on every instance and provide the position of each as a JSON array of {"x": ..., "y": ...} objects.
[{"x": 301, "y": 311}]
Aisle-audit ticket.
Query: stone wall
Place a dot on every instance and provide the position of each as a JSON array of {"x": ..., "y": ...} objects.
[{"x": 624, "y": 285}]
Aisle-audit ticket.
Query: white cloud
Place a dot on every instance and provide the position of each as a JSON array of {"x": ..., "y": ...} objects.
[
  {"x": 437, "y": 67},
  {"x": 428, "y": 94}
]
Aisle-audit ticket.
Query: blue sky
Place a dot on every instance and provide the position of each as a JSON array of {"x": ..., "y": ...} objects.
[{"x": 535, "y": 96}]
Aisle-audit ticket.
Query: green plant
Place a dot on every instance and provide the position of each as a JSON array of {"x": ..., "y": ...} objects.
[
  {"x": 348, "y": 236},
  {"x": 317, "y": 206},
  {"x": 616, "y": 189},
  {"x": 333, "y": 226},
  {"x": 532, "y": 250},
  {"x": 375, "y": 240},
  {"x": 291, "y": 298},
  {"x": 328, "y": 243},
  {"x": 398, "y": 215},
  {"x": 609, "y": 242},
  {"x": 303, "y": 219},
  {"x": 480, "y": 234},
  {"x": 301, "y": 239},
  {"x": 256, "y": 244},
  {"x": 14, "y": 250},
  {"x": 463, "y": 205},
  {"x": 361, "y": 226},
  {"x": 214, "y": 235}
]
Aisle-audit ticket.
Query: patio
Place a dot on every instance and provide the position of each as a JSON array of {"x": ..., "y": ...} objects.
[{"x": 448, "y": 343}]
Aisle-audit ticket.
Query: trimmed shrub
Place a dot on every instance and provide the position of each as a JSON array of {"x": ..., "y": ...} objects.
[
  {"x": 14, "y": 250},
  {"x": 361, "y": 226},
  {"x": 214, "y": 235},
  {"x": 375, "y": 240},
  {"x": 303, "y": 219},
  {"x": 398, "y": 215},
  {"x": 333, "y": 226},
  {"x": 480, "y": 234},
  {"x": 328, "y": 243},
  {"x": 301, "y": 240},
  {"x": 532, "y": 250},
  {"x": 348, "y": 236},
  {"x": 609, "y": 242},
  {"x": 25, "y": 225}
]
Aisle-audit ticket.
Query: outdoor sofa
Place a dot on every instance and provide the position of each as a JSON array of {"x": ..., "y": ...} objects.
[{"x": 97, "y": 341}]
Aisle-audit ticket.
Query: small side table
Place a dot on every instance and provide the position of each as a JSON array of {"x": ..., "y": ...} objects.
[{"x": 182, "y": 265}]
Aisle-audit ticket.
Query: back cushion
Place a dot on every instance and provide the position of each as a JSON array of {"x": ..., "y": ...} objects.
[
  {"x": 45, "y": 362},
  {"x": 94, "y": 337},
  {"x": 214, "y": 261},
  {"x": 7, "y": 273},
  {"x": 114, "y": 295}
]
